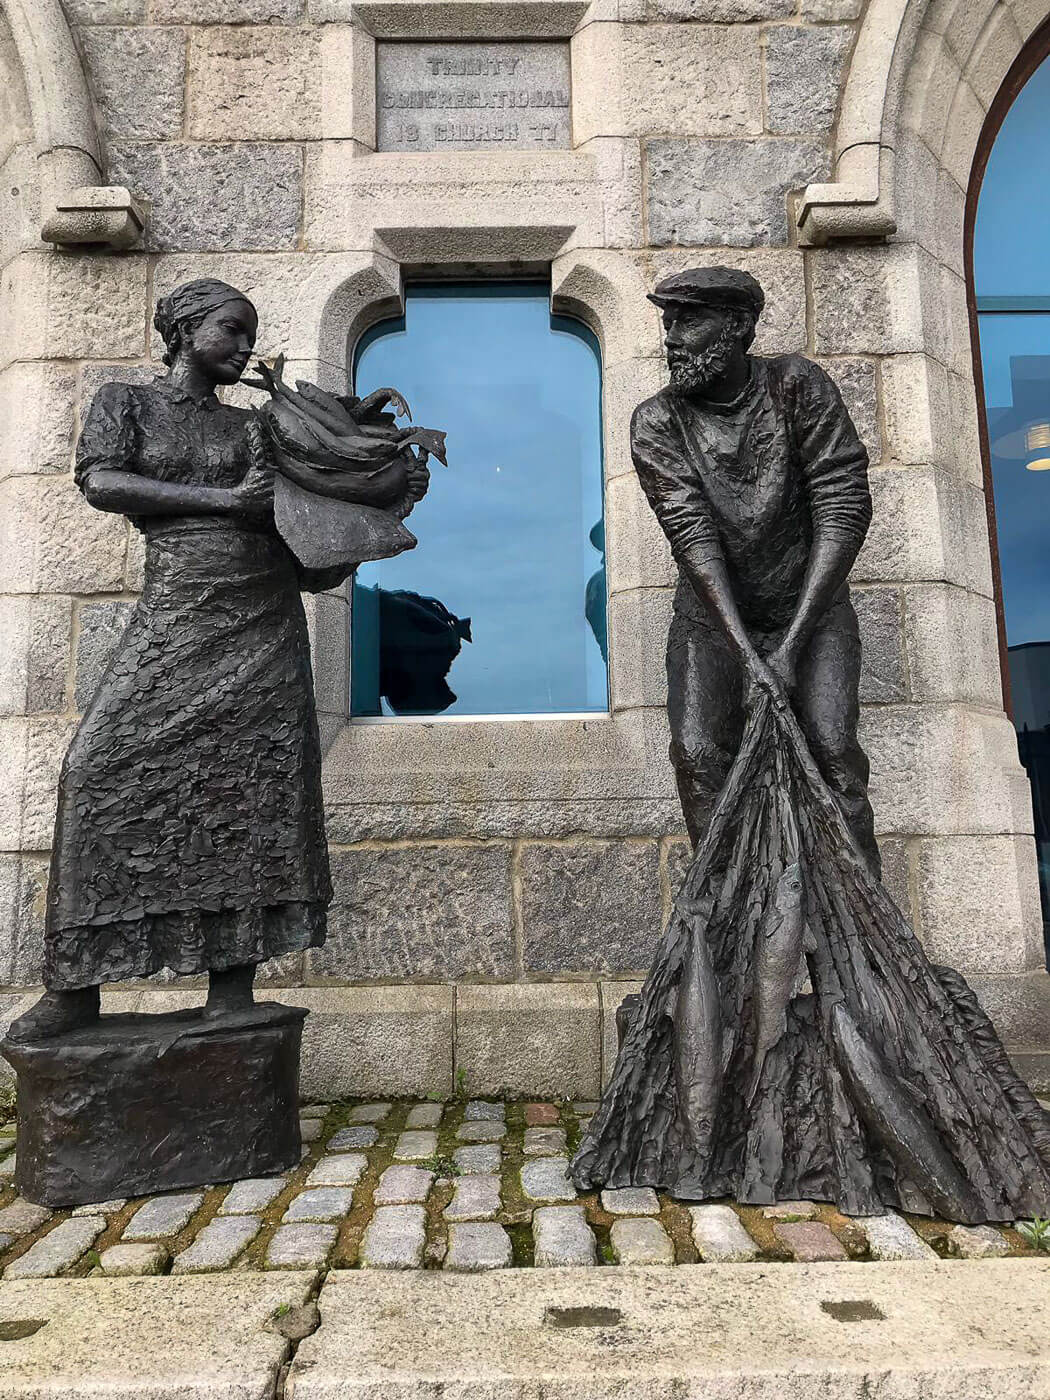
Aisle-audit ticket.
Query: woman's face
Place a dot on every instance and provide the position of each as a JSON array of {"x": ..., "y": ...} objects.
[{"x": 222, "y": 343}]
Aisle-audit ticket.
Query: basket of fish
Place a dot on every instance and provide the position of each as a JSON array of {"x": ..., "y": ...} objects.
[{"x": 347, "y": 475}]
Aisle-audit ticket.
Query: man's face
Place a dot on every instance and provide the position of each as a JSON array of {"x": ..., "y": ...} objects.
[{"x": 700, "y": 342}]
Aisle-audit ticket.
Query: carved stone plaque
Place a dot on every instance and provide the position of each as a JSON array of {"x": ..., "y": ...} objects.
[{"x": 440, "y": 96}]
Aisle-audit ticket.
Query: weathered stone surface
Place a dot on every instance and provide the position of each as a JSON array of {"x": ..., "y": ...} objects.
[
  {"x": 101, "y": 627},
  {"x": 395, "y": 1238},
  {"x": 804, "y": 70},
  {"x": 253, "y": 1194},
  {"x": 483, "y": 1111},
  {"x": 856, "y": 383},
  {"x": 138, "y": 77},
  {"x": 529, "y": 1039},
  {"x": 720, "y": 11},
  {"x": 884, "y": 674},
  {"x": 346, "y": 1169},
  {"x": 261, "y": 84},
  {"x": 58, "y": 1250},
  {"x": 130, "y": 1260},
  {"x": 720, "y": 1237},
  {"x": 541, "y": 1115},
  {"x": 403, "y": 1185},
  {"x": 370, "y": 1112},
  {"x": 35, "y": 656},
  {"x": 544, "y": 1142},
  {"x": 320, "y": 1203},
  {"x": 314, "y": 1110},
  {"x": 163, "y": 1216},
  {"x": 87, "y": 307},
  {"x": 424, "y": 1115},
  {"x": 301, "y": 1246},
  {"x": 952, "y": 643},
  {"x": 37, "y": 402},
  {"x": 310, "y": 1129},
  {"x": 727, "y": 192},
  {"x": 791, "y": 1210},
  {"x": 105, "y": 11},
  {"x": 22, "y": 1216},
  {"x": 476, "y": 1197},
  {"x": 101, "y": 1207},
  {"x": 415, "y": 1145},
  {"x": 482, "y": 1159},
  {"x": 563, "y": 1238},
  {"x": 631, "y": 1200},
  {"x": 476, "y": 1248},
  {"x": 226, "y": 11},
  {"x": 218, "y": 1244},
  {"x": 361, "y": 1135},
  {"x": 867, "y": 301},
  {"x": 242, "y": 195},
  {"x": 629, "y": 80},
  {"x": 58, "y": 542},
  {"x": 810, "y": 1242},
  {"x": 421, "y": 911},
  {"x": 547, "y": 1179},
  {"x": 591, "y": 906},
  {"x": 976, "y": 1242},
  {"x": 978, "y": 903},
  {"x": 890, "y": 1237},
  {"x": 480, "y": 1131},
  {"x": 641, "y": 1241}
]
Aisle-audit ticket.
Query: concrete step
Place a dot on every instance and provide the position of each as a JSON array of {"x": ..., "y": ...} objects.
[{"x": 908, "y": 1331}]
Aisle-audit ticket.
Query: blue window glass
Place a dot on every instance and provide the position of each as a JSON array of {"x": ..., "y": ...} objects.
[
  {"x": 1012, "y": 286},
  {"x": 501, "y": 608}
]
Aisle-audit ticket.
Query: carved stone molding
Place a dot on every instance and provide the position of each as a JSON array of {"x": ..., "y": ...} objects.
[
  {"x": 859, "y": 202},
  {"x": 78, "y": 208}
]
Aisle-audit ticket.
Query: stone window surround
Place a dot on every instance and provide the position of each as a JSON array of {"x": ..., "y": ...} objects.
[{"x": 605, "y": 764}]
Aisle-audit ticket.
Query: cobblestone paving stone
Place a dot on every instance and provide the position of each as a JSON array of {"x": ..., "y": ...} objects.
[
  {"x": 395, "y": 1238},
  {"x": 482, "y": 1130},
  {"x": 344, "y": 1169},
  {"x": 163, "y": 1216},
  {"x": 719, "y": 1236},
  {"x": 310, "y": 1129},
  {"x": 563, "y": 1238},
  {"x": 59, "y": 1249},
  {"x": 415, "y": 1146},
  {"x": 641, "y": 1240},
  {"x": 477, "y": 1199},
  {"x": 218, "y": 1244},
  {"x": 475, "y": 1248},
  {"x": 128, "y": 1260},
  {"x": 544, "y": 1142},
  {"x": 252, "y": 1195},
  {"x": 483, "y": 1158},
  {"x": 349, "y": 1138}
]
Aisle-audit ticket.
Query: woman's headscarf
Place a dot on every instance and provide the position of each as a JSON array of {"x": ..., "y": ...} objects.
[{"x": 189, "y": 302}]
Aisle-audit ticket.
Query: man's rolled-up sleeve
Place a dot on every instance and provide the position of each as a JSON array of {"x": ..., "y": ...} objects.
[
  {"x": 670, "y": 486},
  {"x": 833, "y": 459}
]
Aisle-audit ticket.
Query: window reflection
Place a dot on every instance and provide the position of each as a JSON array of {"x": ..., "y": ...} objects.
[
  {"x": 501, "y": 609},
  {"x": 1012, "y": 284}
]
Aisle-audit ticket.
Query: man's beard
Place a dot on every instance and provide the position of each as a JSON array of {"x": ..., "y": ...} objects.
[{"x": 699, "y": 372}]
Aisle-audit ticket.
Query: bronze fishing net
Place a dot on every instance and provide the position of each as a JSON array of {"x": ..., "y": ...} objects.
[{"x": 793, "y": 1041}]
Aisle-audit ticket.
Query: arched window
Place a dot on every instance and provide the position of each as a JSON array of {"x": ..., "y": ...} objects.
[
  {"x": 1011, "y": 274},
  {"x": 501, "y": 608}
]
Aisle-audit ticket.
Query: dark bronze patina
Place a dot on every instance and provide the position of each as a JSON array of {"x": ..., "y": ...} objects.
[
  {"x": 792, "y": 1039},
  {"x": 190, "y": 832}
]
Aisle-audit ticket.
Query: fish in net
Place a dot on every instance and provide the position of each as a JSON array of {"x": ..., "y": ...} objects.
[{"x": 792, "y": 1039}]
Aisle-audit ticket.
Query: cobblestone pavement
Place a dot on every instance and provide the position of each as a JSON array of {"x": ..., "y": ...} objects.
[{"x": 463, "y": 1186}]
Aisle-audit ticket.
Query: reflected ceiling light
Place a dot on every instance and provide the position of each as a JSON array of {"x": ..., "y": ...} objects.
[{"x": 1037, "y": 444}]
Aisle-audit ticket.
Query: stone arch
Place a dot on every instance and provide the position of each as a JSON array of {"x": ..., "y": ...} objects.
[{"x": 76, "y": 205}]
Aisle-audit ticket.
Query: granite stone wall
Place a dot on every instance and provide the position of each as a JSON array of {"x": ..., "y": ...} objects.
[{"x": 500, "y": 886}]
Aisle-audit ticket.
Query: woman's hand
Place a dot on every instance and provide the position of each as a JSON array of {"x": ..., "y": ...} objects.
[{"x": 252, "y": 498}]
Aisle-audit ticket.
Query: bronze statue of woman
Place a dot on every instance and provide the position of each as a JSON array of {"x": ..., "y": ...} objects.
[{"x": 190, "y": 831}]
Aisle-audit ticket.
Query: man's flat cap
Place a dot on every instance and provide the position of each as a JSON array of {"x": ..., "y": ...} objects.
[{"x": 710, "y": 286}]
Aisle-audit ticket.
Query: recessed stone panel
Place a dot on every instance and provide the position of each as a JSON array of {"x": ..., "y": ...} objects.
[{"x": 467, "y": 97}]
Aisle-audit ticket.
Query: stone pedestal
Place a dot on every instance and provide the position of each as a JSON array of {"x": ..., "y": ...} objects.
[{"x": 137, "y": 1104}]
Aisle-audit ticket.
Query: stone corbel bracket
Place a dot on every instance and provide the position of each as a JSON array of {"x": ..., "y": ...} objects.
[
  {"x": 78, "y": 208},
  {"x": 860, "y": 202}
]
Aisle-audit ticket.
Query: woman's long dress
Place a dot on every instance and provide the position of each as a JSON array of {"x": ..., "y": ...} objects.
[{"x": 190, "y": 829}]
